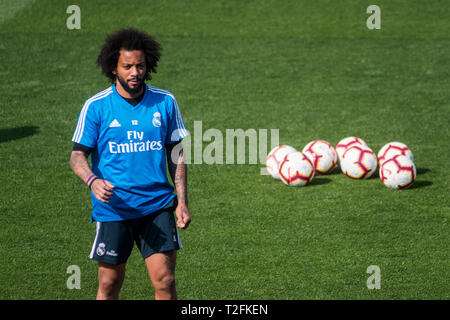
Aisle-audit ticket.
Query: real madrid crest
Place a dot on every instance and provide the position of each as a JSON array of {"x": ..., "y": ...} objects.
[
  {"x": 101, "y": 249},
  {"x": 157, "y": 119}
]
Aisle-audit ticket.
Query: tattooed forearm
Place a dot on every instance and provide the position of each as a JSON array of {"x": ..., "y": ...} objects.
[
  {"x": 80, "y": 165},
  {"x": 180, "y": 181},
  {"x": 178, "y": 172}
]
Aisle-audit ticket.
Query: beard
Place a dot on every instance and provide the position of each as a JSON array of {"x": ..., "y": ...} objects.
[{"x": 132, "y": 91}]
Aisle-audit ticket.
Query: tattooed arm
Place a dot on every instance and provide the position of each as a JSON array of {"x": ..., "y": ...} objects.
[
  {"x": 102, "y": 189},
  {"x": 178, "y": 173}
]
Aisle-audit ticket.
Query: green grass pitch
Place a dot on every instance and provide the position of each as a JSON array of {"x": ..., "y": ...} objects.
[{"x": 311, "y": 69}]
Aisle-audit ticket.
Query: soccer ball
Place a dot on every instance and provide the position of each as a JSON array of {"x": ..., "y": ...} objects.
[
  {"x": 322, "y": 155},
  {"x": 296, "y": 169},
  {"x": 391, "y": 149},
  {"x": 275, "y": 157},
  {"x": 346, "y": 143},
  {"x": 358, "y": 162},
  {"x": 399, "y": 172}
]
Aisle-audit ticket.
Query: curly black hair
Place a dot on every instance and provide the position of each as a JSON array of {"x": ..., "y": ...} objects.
[{"x": 128, "y": 39}]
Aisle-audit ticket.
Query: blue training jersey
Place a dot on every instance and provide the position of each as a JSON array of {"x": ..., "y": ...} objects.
[{"x": 128, "y": 145}]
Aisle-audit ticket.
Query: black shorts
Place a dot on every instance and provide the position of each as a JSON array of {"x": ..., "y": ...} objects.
[{"x": 156, "y": 232}]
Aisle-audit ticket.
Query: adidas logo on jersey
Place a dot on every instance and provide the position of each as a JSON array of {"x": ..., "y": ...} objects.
[{"x": 114, "y": 124}]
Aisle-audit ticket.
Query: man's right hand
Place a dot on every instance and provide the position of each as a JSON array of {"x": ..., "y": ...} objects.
[{"x": 102, "y": 190}]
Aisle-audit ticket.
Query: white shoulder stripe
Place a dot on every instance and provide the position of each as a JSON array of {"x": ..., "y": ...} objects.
[
  {"x": 179, "y": 119},
  {"x": 82, "y": 119},
  {"x": 157, "y": 90},
  {"x": 180, "y": 125},
  {"x": 81, "y": 122}
]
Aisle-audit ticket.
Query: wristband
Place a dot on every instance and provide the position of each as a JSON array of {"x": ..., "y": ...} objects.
[
  {"x": 92, "y": 181},
  {"x": 89, "y": 182}
]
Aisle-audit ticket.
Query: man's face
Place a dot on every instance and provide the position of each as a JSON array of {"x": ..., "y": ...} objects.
[{"x": 130, "y": 71}]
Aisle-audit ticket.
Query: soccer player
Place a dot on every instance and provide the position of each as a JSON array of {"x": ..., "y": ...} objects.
[{"x": 130, "y": 129}]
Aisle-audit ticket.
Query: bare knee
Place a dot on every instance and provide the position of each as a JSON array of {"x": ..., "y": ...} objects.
[
  {"x": 110, "y": 280},
  {"x": 165, "y": 287},
  {"x": 110, "y": 285},
  {"x": 161, "y": 269},
  {"x": 164, "y": 281}
]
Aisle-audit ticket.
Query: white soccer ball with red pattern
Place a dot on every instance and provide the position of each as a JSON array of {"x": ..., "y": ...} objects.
[
  {"x": 322, "y": 154},
  {"x": 275, "y": 157},
  {"x": 359, "y": 162},
  {"x": 346, "y": 143},
  {"x": 398, "y": 172},
  {"x": 391, "y": 149},
  {"x": 296, "y": 169}
]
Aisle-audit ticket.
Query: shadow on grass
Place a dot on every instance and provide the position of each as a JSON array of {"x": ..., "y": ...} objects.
[
  {"x": 317, "y": 181},
  {"x": 9, "y": 134},
  {"x": 420, "y": 184},
  {"x": 336, "y": 170},
  {"x": 420, "y": 171},
  {"x": 375, "y": 175}
]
